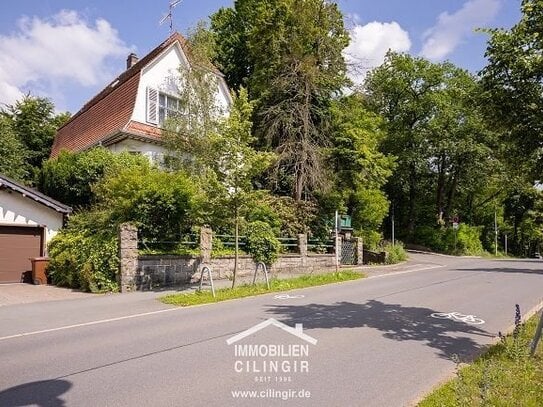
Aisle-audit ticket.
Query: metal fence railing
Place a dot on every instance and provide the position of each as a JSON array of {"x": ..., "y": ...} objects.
[
  {"x": 224, "y": 245},
  {"x": 321, "y": 246},
  {"x": 186, "y": 244},
  {"x": 229, "y": 240},
  {"x": 289, "y": 244}
]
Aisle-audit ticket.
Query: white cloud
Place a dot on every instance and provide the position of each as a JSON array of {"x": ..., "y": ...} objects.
[
  {"x": 369, "y": 45},
  {"x": 452, "y": 29},
  {"x": 45, "y": 53}
]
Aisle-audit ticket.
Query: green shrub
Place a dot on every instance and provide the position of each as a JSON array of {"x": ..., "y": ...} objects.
[
  {"x": 371, "y": 239},
  {"x": 262, "y": 244},
  {"x": 431, "y": 238},
  {"x": 70, "y": 177},
  {"x": 468, "y": 239},
  {"x": 83, "y": 259},
  {"x": 395, "y": 253},
  {"x": 162, "y": 204},
  {"x": 286, "y": 216}
]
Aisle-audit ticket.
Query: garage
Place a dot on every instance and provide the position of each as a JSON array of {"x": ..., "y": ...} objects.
[
  {"x": 28, "y": 221},
  {"x": 17, "y": 245}
]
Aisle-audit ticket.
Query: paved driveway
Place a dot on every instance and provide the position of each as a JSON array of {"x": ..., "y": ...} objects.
[{"x": 12, "y": 294}]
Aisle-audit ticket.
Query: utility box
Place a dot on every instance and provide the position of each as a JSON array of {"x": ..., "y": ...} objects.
[
  {"x": 345, "y": 222},
  {"x": 39, "y": 265}
]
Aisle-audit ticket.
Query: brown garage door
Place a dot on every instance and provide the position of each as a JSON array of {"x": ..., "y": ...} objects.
[{"x": 17, "y": 245}]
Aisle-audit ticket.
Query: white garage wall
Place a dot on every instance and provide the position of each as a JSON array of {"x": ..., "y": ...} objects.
[{"x": 15, "y": 209}]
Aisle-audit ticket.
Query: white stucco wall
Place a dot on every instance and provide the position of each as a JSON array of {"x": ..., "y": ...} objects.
[
  {"x": 155, "y": 153},
  {"x": 159, "y": 75},
  {"x": 15, "y": 209}
]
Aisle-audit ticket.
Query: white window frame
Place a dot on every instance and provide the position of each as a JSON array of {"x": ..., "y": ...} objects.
[{"x": 168, "y": 106}]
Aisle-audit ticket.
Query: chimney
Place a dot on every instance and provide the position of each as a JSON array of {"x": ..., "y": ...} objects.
[{"x": 131, "y": 60}]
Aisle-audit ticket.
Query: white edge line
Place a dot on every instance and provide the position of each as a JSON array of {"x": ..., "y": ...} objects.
[
  {"x": 404, "y": 272},
  {"x": 102, "y": 321}
]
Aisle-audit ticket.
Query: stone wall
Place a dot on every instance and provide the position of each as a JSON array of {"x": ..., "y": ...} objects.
[
  {"x": 146, "y": 272},
  {"x": 163, "y": 270}
]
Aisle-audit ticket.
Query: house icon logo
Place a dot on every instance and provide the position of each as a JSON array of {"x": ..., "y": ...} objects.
[{"x": 297, "y": 331}]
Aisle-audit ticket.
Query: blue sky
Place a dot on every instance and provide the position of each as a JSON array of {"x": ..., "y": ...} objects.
[{"x": 68, "y": 50}]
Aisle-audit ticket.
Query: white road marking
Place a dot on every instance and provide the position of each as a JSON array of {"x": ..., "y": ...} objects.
[
  {"x": 101, "y": 321},
  {"x": 431, "y": 267},
  {"x": 288, "y": 296},
  {"x": 104, "y": 321},
  {"x": 457, "y": 316}
]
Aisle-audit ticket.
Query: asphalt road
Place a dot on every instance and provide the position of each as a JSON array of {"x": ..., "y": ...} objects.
[{"x": 377, "y": 343}]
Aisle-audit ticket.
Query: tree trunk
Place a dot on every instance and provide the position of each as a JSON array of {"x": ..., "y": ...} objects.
[
  {"x": 412, "y": 203},
  {"x": 451, "y": 195},
  {"x": 440, "y": 190},
  {"x": 298, "y": 190}
]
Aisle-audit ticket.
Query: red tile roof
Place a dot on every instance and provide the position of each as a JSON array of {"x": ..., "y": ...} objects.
[{"x": 109, "y": 112}]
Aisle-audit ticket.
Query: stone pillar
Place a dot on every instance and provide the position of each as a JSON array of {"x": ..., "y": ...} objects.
[
  {"x": 206, "y": 244},
  {"x": 302, "y": 248},
  {"x": 359, "y": 250},
  {"x": 128, "y": 257}
]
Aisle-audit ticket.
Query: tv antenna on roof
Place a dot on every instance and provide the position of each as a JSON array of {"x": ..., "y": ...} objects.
[{"x": 169, "y": 16}]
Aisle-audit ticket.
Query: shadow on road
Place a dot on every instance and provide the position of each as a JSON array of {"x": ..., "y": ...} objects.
[
  {"x": 42, "y": 394},
  {"x": 505, "y": 270},
  {"x": 394, "y": 320}
]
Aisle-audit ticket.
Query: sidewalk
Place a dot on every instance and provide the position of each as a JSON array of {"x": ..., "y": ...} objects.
[
  {"x": 14, "y": 294},
  {"x": 21, "y": 293}
]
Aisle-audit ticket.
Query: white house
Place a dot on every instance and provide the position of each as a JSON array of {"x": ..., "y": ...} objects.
[
  {"x": 128, "y": 114},
  {"x": 28, "y": 221}
]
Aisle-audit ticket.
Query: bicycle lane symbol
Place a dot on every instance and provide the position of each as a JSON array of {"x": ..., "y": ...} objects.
[
  {"x": 288, "y": 296},
  {"x": 457, "y": 316}
]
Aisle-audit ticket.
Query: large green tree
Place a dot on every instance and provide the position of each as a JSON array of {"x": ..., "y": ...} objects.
[
  {"x": 358, "y": 166},
  {"x": 34, "y": 122},
  {"x": 444, "y": 150},
  {"x": 213, "y": 145},
  {"x": 289, "y": 54},
  {"x": 513, "y": 85},
  {"x": 12, "y": 152}
]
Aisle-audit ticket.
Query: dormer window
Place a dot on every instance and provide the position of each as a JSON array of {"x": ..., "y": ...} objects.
[
  {"x": 168, "y": 107},
  {"x": 161, "y": 106}
]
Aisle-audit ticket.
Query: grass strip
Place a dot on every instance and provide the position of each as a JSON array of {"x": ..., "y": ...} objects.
[
  {"x": 504, "y": 376},
  {"x": 276, "y": 285}
]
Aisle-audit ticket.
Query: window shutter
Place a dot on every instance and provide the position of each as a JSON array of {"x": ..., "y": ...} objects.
[{"x": 152, "y": 106}]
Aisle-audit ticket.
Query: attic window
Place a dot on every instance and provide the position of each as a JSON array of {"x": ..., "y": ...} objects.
[{"x": 168, "y": 107}]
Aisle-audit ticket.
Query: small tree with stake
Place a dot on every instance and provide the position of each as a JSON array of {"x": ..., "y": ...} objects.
[
  {"x": 237, "y": 162},
  {"x": 214, "y": 147}
]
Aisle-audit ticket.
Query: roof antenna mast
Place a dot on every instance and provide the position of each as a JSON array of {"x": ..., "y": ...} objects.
[{"x": 169, "y": 16}]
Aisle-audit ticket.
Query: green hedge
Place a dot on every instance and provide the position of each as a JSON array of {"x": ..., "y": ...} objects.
[
  {"x": 468, "y": 239},
  {"x": 84, "y": 260}
]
